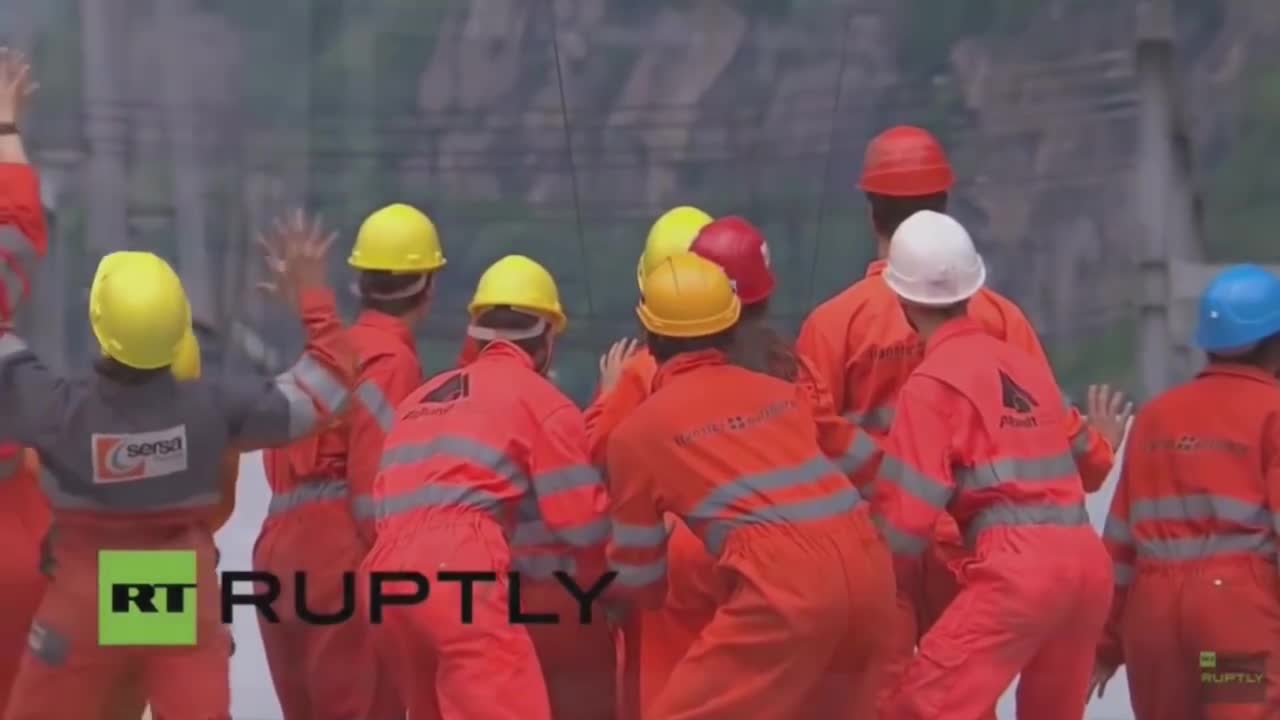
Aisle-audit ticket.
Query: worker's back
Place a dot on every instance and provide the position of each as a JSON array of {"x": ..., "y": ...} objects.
[
  {"x": 1195, "y": 471},
  {"x": 1013, "y": 465},
  {"x": 865, "y": 349},
  {"x": 465, "y": 440},
  {"x": 729, "y": 448}
]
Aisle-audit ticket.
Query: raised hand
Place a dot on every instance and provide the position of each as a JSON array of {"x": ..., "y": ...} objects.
[
  {"x": 16, "y": 85},
  {"x": 296, "y": 253}
]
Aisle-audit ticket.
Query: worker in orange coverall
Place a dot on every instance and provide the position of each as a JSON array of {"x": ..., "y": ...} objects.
[
  {"x": 981, "y": 432},
  {"x": 864, "y": 350},
  {"x": 133, "y": 458},
  {"x": 666, "y": 633},
  {"x": 651, "y": 641},
  {"x": 1194, "y": 521},
  {"x": 320, "y": 518},
  {"x": 801, "y": 579},
  {"x": 471, "y": 454}
]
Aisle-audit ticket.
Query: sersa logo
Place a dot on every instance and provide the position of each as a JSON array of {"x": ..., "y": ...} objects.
[{"x": 138, "y": 456}]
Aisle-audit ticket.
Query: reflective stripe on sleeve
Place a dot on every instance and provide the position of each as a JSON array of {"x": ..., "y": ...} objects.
[
  {"x": 860, "y": 451},
  {"x": 10, "y": 466},
  {"x": 915, "y": 483},
  {"x": 638, "y": 576},
  {"x": 640, "y": 537},
  {"x": 307, "y": 493},
  {"x": 1023, "y": 515},
  {"x": 565, "y": 479},
  {"x": 1080, "y": 442},
  {"x": 1123, "y": 573},
  {"x": 321, "y": 381},
  {"x": 375, "y": 402},
  {"x": 877, "y": 418},
  {"x": 364, "y": 507},
  {"x": 586, "y": 535},
  {"x": 899, "y": 542},
  {"x": 1007, "y": 470}
]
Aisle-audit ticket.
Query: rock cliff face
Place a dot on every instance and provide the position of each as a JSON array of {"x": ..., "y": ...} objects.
[{"x": 762, "y": 107}]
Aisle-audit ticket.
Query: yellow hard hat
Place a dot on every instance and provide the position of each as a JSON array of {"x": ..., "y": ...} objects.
[
  {"x": 138, "y": 309},
  {"x": 523, "y": 284},
  {"x": 688, "y": 296},
  {"x": 398, "y": 238},
  {"x": 672, "y": 233},
  {"x": 186, "y": 364}
]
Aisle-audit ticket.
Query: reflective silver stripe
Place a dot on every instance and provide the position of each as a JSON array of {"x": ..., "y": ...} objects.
[
  {"x": 437, "y": 495},
  {"x": 309, "y": 492},
  {"x": 1016, "y": 515},
  {"x": 21, "y": 257},
  {"x": 1205, "y": 546},
  {"x": 1006, "y": 470},
  {"x": 795, "y": 513},
  {"x": 639, "y": 536},
  {"x": 565, "y": 479},
  {"x": 1080, "y": 442},
  {"x": 459, "y": 447},
  {"x": 308, "y": 374},
  {"x": 541, "y": 566},
  {"x": 877, "y": 418},
  {"x": 916, "y": 483},
  {"x": 63, "y": 500},
  {"x": 637, "y": 576},
  {"x": 1117, "y": 531},
  {"x": 901, "y": 543},
  {"x": 363, "y": 507},
  {"x": 11, "y": 345},
  {"x": 748, "y": 486},
  {"x": 373, "y": 400},
  {"x": 587, "y": 534},
  {"x": 1123, "y": 573},
  {"x": 1202, "y": 506},
  {"x": 861, "y": 451},
  {"x": 532, "y": 533}
]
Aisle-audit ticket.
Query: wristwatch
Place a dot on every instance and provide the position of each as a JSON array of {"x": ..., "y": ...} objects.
[{"x": 8, "y": 128}]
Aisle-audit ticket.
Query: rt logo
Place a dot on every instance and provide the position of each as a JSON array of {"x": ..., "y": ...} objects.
[{"x": 146, "y": 597}]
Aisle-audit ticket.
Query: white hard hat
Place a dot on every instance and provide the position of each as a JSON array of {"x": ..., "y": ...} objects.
[{"x": 932, "y": 261}]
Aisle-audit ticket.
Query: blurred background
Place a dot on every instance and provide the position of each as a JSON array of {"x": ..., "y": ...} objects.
[{"x": 1100, "y": 145}]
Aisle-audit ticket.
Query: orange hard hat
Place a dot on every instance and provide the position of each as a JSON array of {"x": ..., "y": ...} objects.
[{"x": 905, "y": 161}]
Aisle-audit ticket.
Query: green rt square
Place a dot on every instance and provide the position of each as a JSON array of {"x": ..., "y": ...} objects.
[{"x": 146, "y": 597}]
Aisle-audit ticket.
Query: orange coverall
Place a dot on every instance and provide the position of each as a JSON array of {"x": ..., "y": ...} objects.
[
  {"x": 654, "y": 640},
  {"x": 320, "y": 522},
  {"x": 733, "y": 454},
  {"x": 23, "y": 234},
  {"x": 863, "y": 349},
  {"x": 468, "y": 451},
  {"x": 1192, "y": 533},
  {"x": 980, "y": 431},
  {"x": 24, "y": 522}
]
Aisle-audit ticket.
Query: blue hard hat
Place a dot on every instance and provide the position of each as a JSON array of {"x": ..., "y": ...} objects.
[{"x": 1240, "y": 307}]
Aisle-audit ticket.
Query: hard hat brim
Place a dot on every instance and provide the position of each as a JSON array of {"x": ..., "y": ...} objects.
[
  {"x": 701, "y": 327},
  {"x": 923, "y": 300},
  {"x": 425, "y": 267}
]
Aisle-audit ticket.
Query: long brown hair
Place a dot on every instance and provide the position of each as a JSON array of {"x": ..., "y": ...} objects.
[{"x": 759, "y": 347}]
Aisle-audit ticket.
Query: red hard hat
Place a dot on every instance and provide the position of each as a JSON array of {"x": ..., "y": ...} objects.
[
  {"x": 739, "y": 247},
  {"x": 905, "y": 161}
]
